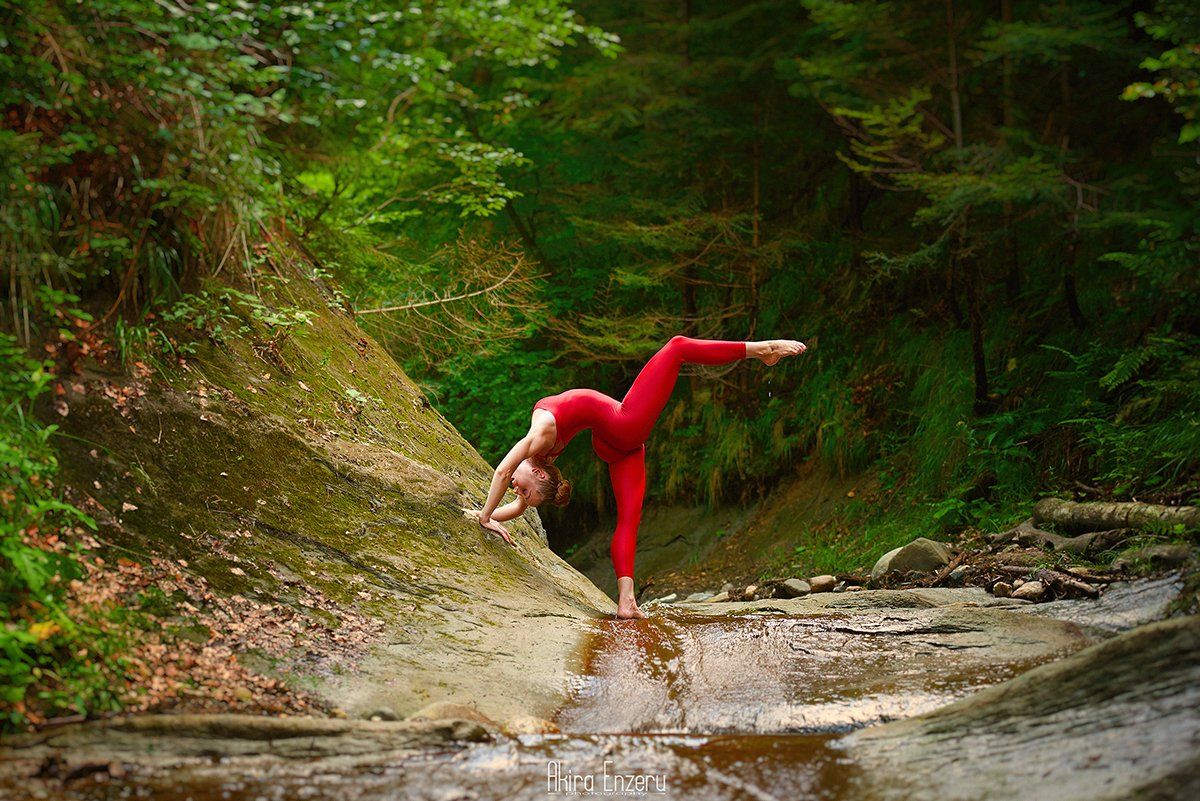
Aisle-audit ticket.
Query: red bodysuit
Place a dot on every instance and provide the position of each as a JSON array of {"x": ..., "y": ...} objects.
[{"x": 620, "y": 429}]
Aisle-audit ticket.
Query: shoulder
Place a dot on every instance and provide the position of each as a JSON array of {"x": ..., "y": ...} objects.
[{"x": 543, "y": 431}]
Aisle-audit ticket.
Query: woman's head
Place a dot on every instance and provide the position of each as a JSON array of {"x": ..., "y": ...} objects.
[{"x": 538, "y": 482}]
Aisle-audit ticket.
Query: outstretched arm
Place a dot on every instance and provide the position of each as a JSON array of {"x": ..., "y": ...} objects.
[
  {"x": 510, "y": 510},
  {"x": 503, "y": 475},
  {"x": 490, "y": 517}
]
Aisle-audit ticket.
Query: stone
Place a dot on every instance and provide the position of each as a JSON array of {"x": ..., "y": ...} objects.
[
  {"x": 823, "y": 583},
  {"x": 1116, "y": 720},
  {"x": 527, "y": 724},
  {"x": 727, "y": 587},
  {"x": 957, "y": 577},
  {"x": 840, "y": 587},
  {"x": 1002, "y": 589},
  {"x": 448, "y": 710},
  {"x": 795, "y": 588},
  {"x": 383, "y": 713},
  {"x": 720, "y": 597},
  {"x": 666, "y": 599},
  {"x": 698, "y": 597},
  {"x": 749, "y": 593},
  {"x": 855, "y": 588},
  {"x": 1018, "y": 582},
  {"x": 1030, "y": 591},
  {"x": 921, "y": 555}
]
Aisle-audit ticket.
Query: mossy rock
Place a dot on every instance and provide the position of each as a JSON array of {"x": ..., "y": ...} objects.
[{"x": 324, "y": 467}]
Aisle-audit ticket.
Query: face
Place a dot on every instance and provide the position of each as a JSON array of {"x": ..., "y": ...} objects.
[{"x": 524, "y": 482}]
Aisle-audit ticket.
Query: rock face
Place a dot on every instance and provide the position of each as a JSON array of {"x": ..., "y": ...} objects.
[
  {"x": 325, "y": 471},
  {"x": 168, "y": 740},
  {"x": 921, "y": 555},
  {"x": 1117, "y": 720}
]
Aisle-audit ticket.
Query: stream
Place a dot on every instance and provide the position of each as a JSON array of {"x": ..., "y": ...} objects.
[{"x": 754, "y": 702}]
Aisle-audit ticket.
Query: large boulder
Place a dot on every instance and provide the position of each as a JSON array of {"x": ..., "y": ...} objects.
[
  {"x": 921, "y": 555},
  {"x": 315, "y": 477},
  {"x": 1118, "y": 720}
]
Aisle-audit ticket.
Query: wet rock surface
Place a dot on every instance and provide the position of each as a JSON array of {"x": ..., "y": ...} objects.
[
  {"x": 270, "y": 485},
  {"x": 938, "y": 693},
  {"x": 791, "y": 666},
  {"x": 1118, "y": 720}
]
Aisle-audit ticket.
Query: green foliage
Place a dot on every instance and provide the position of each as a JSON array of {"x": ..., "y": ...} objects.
[
  {"x": 1173, "y": 22},
  {"x": 997, "y": 279},
  {"x": 43, "y": 650}
]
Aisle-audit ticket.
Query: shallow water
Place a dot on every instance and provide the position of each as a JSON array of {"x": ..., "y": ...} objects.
[
  {"x": 722, "y": 768},
  {"x": 681, "y": 706}
]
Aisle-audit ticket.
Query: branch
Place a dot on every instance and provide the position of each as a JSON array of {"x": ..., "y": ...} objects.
[{"x": 443, "y": 301}]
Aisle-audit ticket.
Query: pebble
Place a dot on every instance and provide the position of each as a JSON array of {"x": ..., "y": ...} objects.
[
  {"x": 749, "y": 592},
  {"x": 720, "y": 597},
  {"x": 666, "y": 599},
  {"x": 840, "y": 587},
  {"x": 957, "y": 577},
  {"x": 727, "y": 587},
  {"x": 795, "y": 588},
  {"x": 697, "y": 597},
  {"x": 854, "y": 588},
  {"x": 1002, "y": 589},
  {"x": 822, "y": 583},
  {"x": 1018, "y": 583},
  {"x": 1030, "y": 591},
  {"x": 524, "y": 724},
  {"x": 383, "y": 713}
]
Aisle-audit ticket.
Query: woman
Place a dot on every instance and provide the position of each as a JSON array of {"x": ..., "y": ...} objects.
[{"x": 619, "y": 433}]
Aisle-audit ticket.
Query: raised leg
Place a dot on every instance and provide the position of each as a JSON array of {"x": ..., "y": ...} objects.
[
  {"x": 628, "y": 476},
  {"x": 651, "y": 390}
]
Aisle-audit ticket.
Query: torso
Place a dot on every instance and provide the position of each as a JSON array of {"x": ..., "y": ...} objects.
[{"x": 545, "y": 431}]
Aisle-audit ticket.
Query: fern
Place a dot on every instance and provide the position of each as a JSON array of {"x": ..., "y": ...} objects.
[{"x": 1127, "y": 367}]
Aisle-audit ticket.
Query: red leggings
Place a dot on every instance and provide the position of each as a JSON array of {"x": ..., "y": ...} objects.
[{"x": 620, "y": 430}]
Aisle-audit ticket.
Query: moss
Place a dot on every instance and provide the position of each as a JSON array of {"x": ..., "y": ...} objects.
[{"x": 271, "y": 479}]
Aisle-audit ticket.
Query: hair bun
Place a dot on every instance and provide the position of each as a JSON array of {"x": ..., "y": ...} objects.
[{"x": 563, "y": 496}]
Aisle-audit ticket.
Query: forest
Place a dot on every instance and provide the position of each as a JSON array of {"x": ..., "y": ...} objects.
[{"x": 982, "y": 218}]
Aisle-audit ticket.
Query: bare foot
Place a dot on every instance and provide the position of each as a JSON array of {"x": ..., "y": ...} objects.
[
  {"x": 627, "y": 609},
  {"x": 772, "y": 350}
]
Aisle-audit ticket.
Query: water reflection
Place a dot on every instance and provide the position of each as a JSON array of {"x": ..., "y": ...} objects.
[
  {"x": 703, "y": 707},
  {"x": 687, "y": 767}
]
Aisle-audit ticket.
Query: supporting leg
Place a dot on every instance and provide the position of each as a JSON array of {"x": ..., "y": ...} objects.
[{"x": 628, "y": 476}]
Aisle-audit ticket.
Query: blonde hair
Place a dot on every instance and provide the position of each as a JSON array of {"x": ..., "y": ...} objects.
[{"x": 553, "y": 488}]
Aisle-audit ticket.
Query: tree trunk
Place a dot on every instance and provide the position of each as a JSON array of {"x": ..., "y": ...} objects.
[
  {"x": 1069, "y": 292},
  {"x": 978, "y": 357},
  {"x": 1101, "y": 516},
  {"x": 1012, "y": 282}
]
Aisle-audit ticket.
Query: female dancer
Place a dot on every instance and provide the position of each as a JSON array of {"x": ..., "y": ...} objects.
[{"x": 619, "y": 433}]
